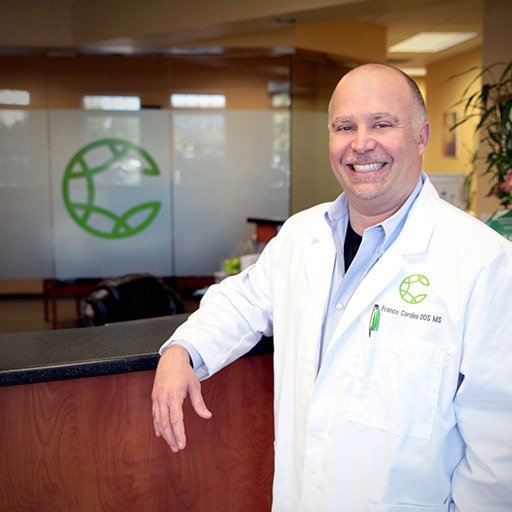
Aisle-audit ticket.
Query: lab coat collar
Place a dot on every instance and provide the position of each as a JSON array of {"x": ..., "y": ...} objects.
[
  {"x": 419, "y": 226},
  {"x": 421, "y": 220},
  {"x": 413, "y": 239}
]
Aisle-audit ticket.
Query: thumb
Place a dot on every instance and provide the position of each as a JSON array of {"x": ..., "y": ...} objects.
[{"x": 196, "y": 399}]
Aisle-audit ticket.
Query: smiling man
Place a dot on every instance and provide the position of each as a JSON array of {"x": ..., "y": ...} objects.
[
  {"x": 391, "y": 320},
  {"x": 378, "y": 134}
]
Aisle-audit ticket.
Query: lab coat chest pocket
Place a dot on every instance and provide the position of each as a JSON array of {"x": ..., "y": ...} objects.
[{"x": 397, "y": 385}]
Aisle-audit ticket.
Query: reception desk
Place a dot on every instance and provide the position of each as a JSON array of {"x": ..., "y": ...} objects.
[
  {"x": 266, "y": 229},
  {"x": 76, "y": 431}
]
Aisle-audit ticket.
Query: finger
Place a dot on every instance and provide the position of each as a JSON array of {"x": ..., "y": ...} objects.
[
  {"x": 177, "y": 426},
  {"x": 156, "y": 418},
  {"x": 198, "y": 403},
  {"x": 162, "y": 425}
]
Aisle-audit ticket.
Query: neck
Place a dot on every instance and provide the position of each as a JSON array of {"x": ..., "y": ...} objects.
[
  {"x": 367, "y": 213},
  {"x": 361, "y": 220}
]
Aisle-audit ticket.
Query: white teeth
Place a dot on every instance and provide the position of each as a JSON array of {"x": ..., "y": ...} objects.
[{"x": 368, "y": 167}]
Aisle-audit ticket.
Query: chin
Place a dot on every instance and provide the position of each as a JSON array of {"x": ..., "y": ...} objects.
[{"x": 367, "y": 191}]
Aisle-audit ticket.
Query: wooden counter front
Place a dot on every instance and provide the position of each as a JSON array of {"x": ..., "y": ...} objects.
[{"x": 88, "y": 445}]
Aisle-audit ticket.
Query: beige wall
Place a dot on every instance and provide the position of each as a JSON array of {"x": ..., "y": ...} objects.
[
  {"x": 333, "y": 38},
  {"x": 444, "y": 93},
  {"x": 446, "y": 82},
  {"x": 337, "y": 38},
  {"x": 61, "y": 82}
]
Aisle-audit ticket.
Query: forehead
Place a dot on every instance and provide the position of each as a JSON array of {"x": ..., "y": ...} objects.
[{"x": 367, "y": 92}]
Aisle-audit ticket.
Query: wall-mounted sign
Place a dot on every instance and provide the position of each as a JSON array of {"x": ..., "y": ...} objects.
[{"x": 108, "y": 162}]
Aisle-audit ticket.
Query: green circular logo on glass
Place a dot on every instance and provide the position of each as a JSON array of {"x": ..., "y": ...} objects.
[
  {"x": 411, "y": 288},
  {"x": 100, "y": 179}
]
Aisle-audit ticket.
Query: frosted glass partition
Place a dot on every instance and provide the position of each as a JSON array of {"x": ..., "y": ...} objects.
[
  {"x": 111, "y": 188},
  {"x": 228, "y": 166},
  {"x": 25, "y": 200},
  {"x": 101, "y": 194}
]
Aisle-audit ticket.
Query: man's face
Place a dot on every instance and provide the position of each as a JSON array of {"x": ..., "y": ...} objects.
[{"x": 375, "y": 143}]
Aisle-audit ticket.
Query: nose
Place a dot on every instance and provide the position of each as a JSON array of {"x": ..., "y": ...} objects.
[{"x": 362, "y": 141}]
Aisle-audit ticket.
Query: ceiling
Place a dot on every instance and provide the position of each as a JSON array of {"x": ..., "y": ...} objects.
[
  {"x": 466, "y": 16},
  {"x": 403, "y": 19}
]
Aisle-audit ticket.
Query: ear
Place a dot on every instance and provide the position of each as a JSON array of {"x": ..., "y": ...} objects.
[{"x": 423, "y": 138}]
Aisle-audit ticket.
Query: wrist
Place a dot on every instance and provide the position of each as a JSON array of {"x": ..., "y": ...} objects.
[{"x": 178, "y": 352}]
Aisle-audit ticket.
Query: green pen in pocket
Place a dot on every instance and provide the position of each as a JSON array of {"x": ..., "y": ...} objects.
[{"x": 374, "y": 320}]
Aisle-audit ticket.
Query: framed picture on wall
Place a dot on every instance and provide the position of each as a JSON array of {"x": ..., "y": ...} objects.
[{"x": 449, "y": 140}]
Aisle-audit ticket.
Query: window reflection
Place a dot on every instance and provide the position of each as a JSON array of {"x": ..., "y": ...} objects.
[
  {"x": 14, "y": 97},
  {"x": 199, "y": 135},
  {"x": 111, "y": 103},
  {"x": 198, "y": 100}
]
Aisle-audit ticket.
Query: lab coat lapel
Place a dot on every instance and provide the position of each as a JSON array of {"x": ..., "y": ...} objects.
[
  {"x": 319, "y": 259},
  {"x": 377, "y": 280},
  {"x": 413, "y": 239}
]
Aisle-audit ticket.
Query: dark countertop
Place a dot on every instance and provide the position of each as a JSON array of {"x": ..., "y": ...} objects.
[
  {"x": 272, "y": 221},
  {"x": 31, "y": 357}
]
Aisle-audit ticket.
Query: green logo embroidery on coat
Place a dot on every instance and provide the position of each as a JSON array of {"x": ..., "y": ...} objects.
[{"x": 411, "y": 288}]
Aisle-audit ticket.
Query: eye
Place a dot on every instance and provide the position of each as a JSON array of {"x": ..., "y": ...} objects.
[{"x": 343, "y": 128}]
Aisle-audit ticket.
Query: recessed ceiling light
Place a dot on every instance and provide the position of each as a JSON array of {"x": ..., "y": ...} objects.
[
  {"x": 415, "y": 71},
  {"x": 431, "y": 42}
]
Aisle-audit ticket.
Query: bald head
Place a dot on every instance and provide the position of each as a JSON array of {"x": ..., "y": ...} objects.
[{"x": 418, "y": 108}]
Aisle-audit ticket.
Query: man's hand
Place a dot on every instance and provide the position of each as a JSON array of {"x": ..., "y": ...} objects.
[{"x": 174, "y": 381}]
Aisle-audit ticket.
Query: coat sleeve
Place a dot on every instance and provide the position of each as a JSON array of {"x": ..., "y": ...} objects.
[
  {"x": 482, "y": 482},
  {"x": 231, "y": 319}
]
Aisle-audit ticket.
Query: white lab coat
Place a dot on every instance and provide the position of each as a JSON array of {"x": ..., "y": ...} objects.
[{"x": 385, "y": 424}]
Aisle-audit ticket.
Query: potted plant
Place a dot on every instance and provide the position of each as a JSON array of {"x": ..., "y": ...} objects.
[{"x": 491, "y": 107}]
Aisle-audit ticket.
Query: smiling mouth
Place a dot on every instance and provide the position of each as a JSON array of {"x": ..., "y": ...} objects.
[{"x": 367, "y": 167}]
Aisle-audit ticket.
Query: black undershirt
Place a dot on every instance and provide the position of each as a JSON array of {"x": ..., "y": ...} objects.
[{"x": 352, "y": 243}]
